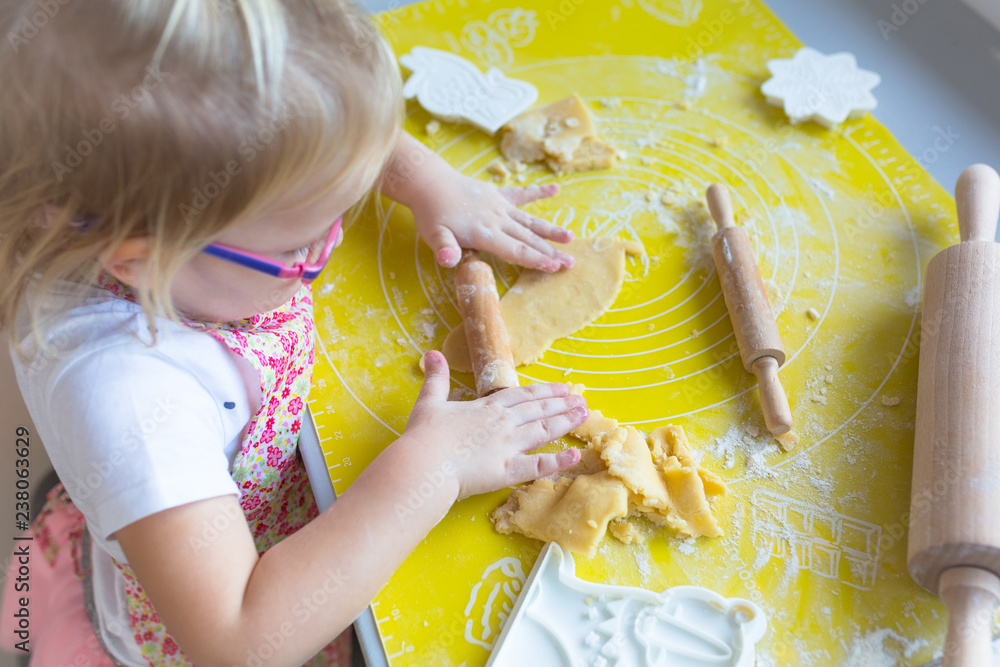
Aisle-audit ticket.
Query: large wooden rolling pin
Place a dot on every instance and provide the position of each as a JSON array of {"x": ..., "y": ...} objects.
[
  {"x": 954, "y": 541},
  {"x": 749, "y": 310},
  {"x": 489, "y": 345}
]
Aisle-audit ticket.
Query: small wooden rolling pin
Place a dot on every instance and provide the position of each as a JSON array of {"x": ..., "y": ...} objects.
[
  {"x": 749, "y": 310},
  {"x": 954, "y": 540},
  {"x": 489, "y": 345}
]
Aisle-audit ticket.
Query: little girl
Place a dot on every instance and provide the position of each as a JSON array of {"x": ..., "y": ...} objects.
[{"x": 173, "y": 175}]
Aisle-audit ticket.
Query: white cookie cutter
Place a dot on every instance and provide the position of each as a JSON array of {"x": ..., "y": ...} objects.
[
  {"x": 451, "y": 88},
  {"x": 562, "y": 621},
  {"x": 826, "y": 89}
]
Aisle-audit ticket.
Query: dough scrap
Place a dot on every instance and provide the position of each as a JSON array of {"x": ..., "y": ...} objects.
[
  {"x": 628, "y": 458},
  {"x": 561, "y": 135},
  {"x": 595, "y": 426},
  {"x": 625, "y": 532},
  {"x": 670, "y": 440},
  {"x": 572, "y": 511},
  {"x": 656, "y": 477},
  {"x": 689, "y": 503},
  {"x": 542, "y": 307},
  {"x": 787, "y": 441}
]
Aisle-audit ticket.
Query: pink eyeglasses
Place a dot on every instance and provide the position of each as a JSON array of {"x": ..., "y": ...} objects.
[{"x": 315, "y": 258}]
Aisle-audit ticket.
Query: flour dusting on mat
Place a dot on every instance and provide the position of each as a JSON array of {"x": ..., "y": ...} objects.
[
  {"x": 737, "y": 445},
  {"x": 643, "y": 563},
  {"x": 872, "y": 651},
  {"x": 686, "y": 547}
]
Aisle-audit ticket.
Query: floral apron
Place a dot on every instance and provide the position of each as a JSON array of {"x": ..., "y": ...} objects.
[{"x": 276, "y": 497}]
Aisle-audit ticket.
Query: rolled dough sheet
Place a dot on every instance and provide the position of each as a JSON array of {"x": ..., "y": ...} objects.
[{"x": 540, "y": 307}]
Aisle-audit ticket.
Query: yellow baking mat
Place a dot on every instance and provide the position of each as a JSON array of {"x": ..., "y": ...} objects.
[{"x": 843, "y": 223}]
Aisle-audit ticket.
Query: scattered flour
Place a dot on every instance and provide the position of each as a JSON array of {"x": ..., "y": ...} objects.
[
  {"x": 427, "y": 329},
  {"x": 667, "y": 67},
  {"x": 738, "y": 444},
  {"x": 646, "y": 141},
  {"x": 786, "y": 218},
  {"x": 912, "y": 298},
  {"x": 642, "y": 561},
  {"x": 775, "y": 295},
  {"x": 821, "y": 186},
  {"x": 822, "y": 484},
  {"x": 763, "y": 555},
  {"x": 686, "y": 547},
  {"x": 697, "y": 81},
  {"x": 460, "y": 394},
  {"x": 871, "y": 650}
]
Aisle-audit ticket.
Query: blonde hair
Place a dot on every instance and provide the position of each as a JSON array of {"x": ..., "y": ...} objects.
[{"x": 174, "y": 121}]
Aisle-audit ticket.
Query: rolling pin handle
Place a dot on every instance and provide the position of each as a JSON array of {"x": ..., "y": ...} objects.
[
  {"x": 977, "y": 195},
  {"x": 773, "y": 402},
  {"x": 720, "y": 205},
  {"x": 971, "y": 595}
]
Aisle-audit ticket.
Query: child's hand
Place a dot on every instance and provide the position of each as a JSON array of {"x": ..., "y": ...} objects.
[
  {"x": 463, "y": 212},
  {"x": 481, "y": 443}
]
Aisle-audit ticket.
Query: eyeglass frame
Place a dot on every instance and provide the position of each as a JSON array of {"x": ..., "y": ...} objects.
[{"x": 305, "y": 271}]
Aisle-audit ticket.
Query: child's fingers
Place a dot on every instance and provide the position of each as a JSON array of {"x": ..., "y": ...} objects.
[
  {"x": 522, "y": 196},
  {"x": 543, "y": 431},
  {"x": 518, "y": 252},
  {"x": 448, "y": 256},
  {"x": 543, "y": 227},
  {"x": 442, "y": 241},
  {"x": 534, "y": 231},
  {"x": 508, "y": 398},
  {"x": 436, "y": 379},
  {"x": 527, "y": 468},
  {"x": 518, "y": 228},
  {"x": 545, "y": 408}
]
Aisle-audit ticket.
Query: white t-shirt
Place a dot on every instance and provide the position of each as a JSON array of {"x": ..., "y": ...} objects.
[{"x": 132, "y": 429}]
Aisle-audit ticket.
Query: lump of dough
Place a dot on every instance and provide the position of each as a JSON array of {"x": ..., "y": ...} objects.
[
  {"x": 561, "y": 135},
  {"x": 687, "y": 495},
  {"x": 595, "y": 426},
  {"x": 625, "y": 532},
  {"x": 541, "y": 307},
  {"x": 667, "y": 441},
  {"x": 628, "y": 458},
  {"x": 572, "y": 512},
  {"x": 634, "y": 249},
  {"x": 712, "y": 483},
  {"x": 590, "y": 462},
  {"x": 671, "y": 440},
  {"x": 688, "y": 485},
  {"x": 787, "y": 441},
  {"x": 621, "y": 474}
]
